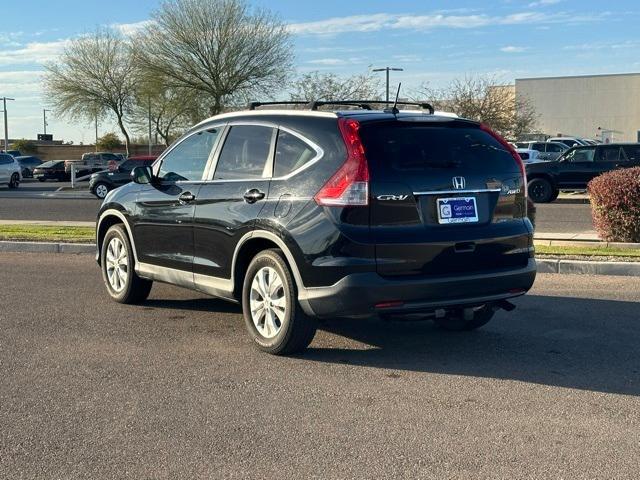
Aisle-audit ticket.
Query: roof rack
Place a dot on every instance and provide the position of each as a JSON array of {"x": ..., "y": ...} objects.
[{"x": 363, "y": 104}]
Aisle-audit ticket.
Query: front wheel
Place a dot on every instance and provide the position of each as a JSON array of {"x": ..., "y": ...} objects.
[
  {"x": 101, "y": 190},
  {"x": 272, "y": 315},
  {"x": 117, "y": 262},
  {"x": 457, "y": 322},
  {"x": 15, "y": 181}
]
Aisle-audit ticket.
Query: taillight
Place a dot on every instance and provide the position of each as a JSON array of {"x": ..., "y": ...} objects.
[
  {"x": 513, "y": 153},
  {"x": 349, "y": 186}
]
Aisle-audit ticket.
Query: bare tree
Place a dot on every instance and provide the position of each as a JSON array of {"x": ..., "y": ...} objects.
[
  {"x": 220, "y": 48},
  {"x": 487, "y": 100},
  {"x": 93, "y": 77},
  {"x": 329, "y": 86},
  {"x": 172, "y": 110}
]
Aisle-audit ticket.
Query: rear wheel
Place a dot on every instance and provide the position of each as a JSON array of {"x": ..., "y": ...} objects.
[
  {"x": 117, "y": 262},
  {"x": 272, "y": 315},
  {"x": 457, "y": 322},
  {"x": 541, "y": 190},
  {"x": 14, "y": 182}
]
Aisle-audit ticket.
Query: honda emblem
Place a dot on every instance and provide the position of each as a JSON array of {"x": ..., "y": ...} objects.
[{"x": 458, "y": 183}]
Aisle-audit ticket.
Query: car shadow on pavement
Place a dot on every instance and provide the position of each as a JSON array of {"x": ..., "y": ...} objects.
[
  {"x": 195, "y": 304},
  {"x": 568, "y": 342}
]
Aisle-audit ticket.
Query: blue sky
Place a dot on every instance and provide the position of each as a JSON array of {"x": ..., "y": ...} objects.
[{"x": 434, "y": 41}]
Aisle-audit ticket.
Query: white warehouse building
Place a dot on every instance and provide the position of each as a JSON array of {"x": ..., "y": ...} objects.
[{"x": 606, "y": 107}]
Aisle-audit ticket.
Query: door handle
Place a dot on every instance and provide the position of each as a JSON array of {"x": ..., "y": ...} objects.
[
  {"x": 253, "y": 195},
  {"x": 186, "y": 197}
]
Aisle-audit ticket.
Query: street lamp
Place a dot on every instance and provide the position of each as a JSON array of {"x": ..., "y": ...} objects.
[
  {"x": 6, "y": 127},
  {"x": 44, "y": 115},
  {"x": 388, "y": 69}
]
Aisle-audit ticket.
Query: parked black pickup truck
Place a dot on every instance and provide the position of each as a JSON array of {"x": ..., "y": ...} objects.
[{"x": 576, "y": 167}]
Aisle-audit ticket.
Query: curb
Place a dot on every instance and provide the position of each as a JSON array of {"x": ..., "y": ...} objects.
[
  {"x": 46, "y": 247},
  {"x": 585, "y": 267},
  {"x": 584, "y": 243}
]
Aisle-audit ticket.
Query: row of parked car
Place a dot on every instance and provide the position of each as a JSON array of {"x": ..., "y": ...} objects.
[
  {"x": 554, "y": 166},
  {"x": 108, "y": 170}
]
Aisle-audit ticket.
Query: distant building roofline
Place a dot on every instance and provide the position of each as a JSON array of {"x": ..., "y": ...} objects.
[{"x": 580, "y": 76}]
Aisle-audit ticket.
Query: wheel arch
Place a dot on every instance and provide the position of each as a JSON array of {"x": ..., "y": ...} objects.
[
  {"x": 249, "y": 246},
  {"x": 107, "y": 219}
]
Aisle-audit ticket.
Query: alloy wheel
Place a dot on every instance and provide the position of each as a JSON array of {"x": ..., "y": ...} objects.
[
  {"x": 101, "y": 191},
  {"x": 117, "y": 264},
  {"x": 268, "y": 302}
]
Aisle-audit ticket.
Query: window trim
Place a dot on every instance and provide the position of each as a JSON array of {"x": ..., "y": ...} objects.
[
  {"x": 270, "y": 164},
  {"x": 155, "y": 167}
]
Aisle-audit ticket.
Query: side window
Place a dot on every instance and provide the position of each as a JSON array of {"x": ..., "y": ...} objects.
[
  {"x": 609, "y": 154},
  {"x": 291, "y": 154},
  {"x": 552, "y": 147},
  {"x": 632, "y": 152},
  {"x": 581, "y": 155},
  {"x": 245, "y": 153},
  {"x": 187, "y": 160},
  {"x": 537, "y": 146},
  {"x": 5, "y": 160}
]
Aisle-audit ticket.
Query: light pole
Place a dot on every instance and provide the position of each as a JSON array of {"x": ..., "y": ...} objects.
[
  {"x": 6, "y": 126},
  {"x": 149, "y": 125},
  {"x": 387, "y": 70},
  {"x": 44, "y": 119}
]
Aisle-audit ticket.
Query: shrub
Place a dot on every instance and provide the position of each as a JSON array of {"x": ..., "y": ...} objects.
[
  {"x": 615, "y": 205},
  {"x": 25, "y": 146},
  {"x": 109, "y": 142}
]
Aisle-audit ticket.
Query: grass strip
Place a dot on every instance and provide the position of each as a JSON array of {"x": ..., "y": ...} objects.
[
  {"x": 46, "y": 233},
  {"x": 587, "y": 251}
]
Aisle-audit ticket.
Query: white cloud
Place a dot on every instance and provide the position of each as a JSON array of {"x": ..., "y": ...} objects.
[
  {"x": 512, "y": 49},
  {"x": 387, "y": 21},
  {"x": 327, "y": 61},
  {"x": 543, "y": 3},
  {"x": 130, "y": 29},
  {"x": 32, "y": 53}
]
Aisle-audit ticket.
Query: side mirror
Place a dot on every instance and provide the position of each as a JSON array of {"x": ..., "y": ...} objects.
[{"x": 142, "y": 175}]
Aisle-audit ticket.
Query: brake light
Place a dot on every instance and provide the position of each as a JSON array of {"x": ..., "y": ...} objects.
[
  {"x": 349, "y": 186},
  {"x": 513, "y": 153}
]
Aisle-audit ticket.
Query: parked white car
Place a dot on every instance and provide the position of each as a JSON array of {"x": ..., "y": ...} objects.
[
  {"x": 548, "y": 150},
  {"x": 528, "y": 155},
  {"x": 10, "y": 171},
  {"x": 569, "y": 141}
]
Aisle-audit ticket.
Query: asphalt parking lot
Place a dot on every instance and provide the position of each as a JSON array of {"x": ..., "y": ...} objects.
[{"x": 173, "y": 389}]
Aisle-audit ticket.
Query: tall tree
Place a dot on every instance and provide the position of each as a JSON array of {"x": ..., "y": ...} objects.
[
  {"x": 329, "y": 86},
  {"x": 94, "y": 76},
  {"x": 222, "y": 49},
  {"x": 171, "y": 110},
  {"x": 487, "y": 100}
]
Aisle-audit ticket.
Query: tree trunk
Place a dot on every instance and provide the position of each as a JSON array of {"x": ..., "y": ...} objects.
[{"x": 127, "y": 140}]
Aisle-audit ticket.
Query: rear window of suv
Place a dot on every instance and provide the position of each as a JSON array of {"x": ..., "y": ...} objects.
[{"x": 397, "y": 150}]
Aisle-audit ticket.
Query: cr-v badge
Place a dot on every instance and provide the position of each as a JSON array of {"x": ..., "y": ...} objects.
[{"x": 392, "y": 197}]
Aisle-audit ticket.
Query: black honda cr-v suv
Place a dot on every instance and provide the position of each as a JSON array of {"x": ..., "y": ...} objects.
[{"x": 306, "y": 214}]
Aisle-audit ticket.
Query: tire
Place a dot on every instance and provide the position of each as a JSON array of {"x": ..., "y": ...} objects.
[
  {"x": 100, "y": 190},
  {"x": 456, "y": 322},
  {"x": 555, "y": 195},
  {"x": 540, "y": 190},
  {"x": 42, "y": 179},
  {"x": 126, "y": 286},
  {"x": 286, "y": 333},
  {"x": 14, "y": 182}
]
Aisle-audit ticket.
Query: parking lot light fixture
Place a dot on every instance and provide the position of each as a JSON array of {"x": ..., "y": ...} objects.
[
  {"x": 6, "y": 126},
  {"x": 387, "y": 70}
]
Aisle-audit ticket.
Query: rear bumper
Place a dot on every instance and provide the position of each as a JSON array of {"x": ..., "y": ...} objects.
[{"x": 358, "y": 294}]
